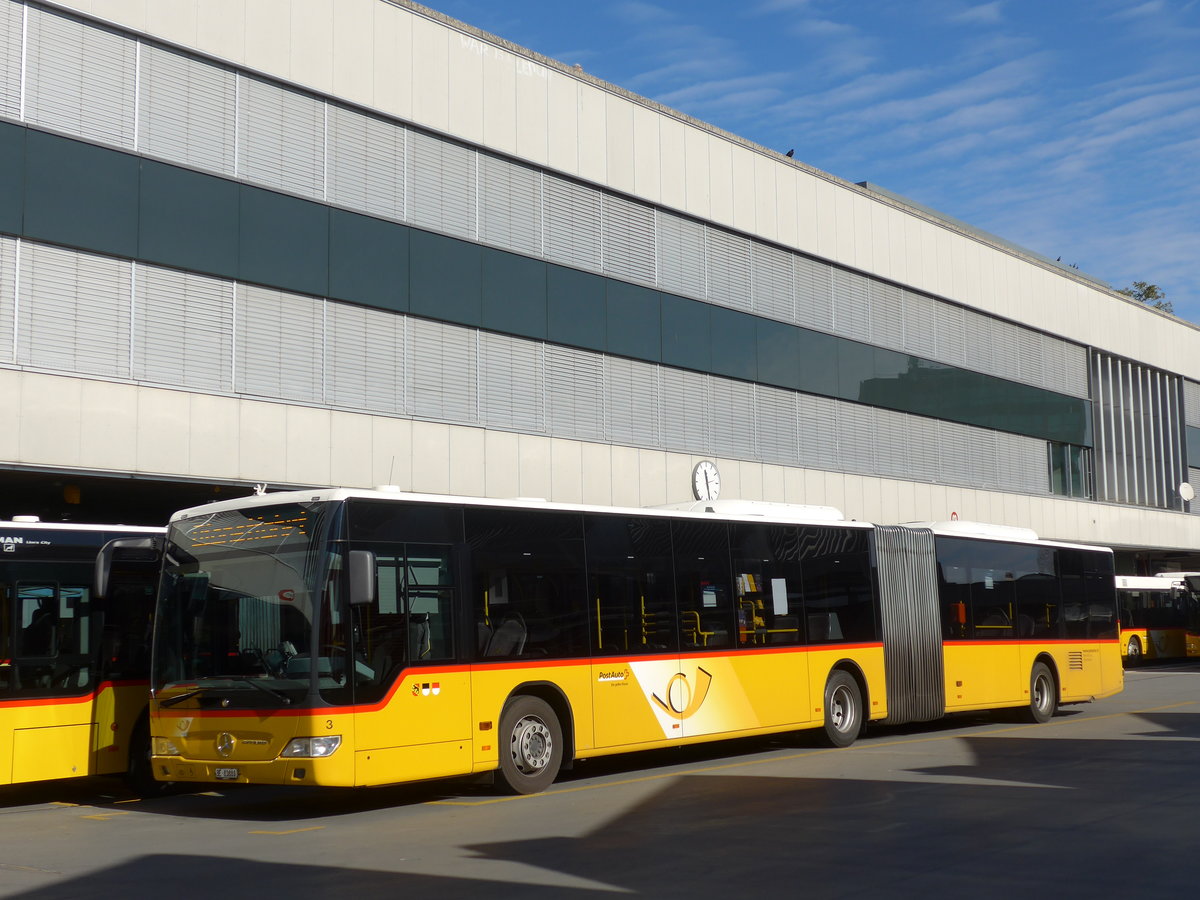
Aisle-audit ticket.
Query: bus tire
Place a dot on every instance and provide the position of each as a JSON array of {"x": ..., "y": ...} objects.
[
  {"x": 1043, "y": 694},
  {"x": 1133, "y": 651},
  {"x": 843, "y": 709},
  {"x": 140, "y": 774},
  {"x": 531, "y": 745}
]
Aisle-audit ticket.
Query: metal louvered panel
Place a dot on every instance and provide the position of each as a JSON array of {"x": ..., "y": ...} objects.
[
  {"x": 11, "y": 38},
  {"x": 1194, "y": 481},
  {"x": 923, "y": 448},
  {"x": 951, "y": 334},
  {"x": 510, "y": 205},
  {"x": 778, "y": 425},
  {"x": 1021, "y": 464},
  {"x": 773, "y": 284},
  {"x": 731, "y": 419},
  {"x": 1066, "y": 366},
  {"x": 73, "y": 311},
  {"x": 574, "y": 393},
  {"x": 572, "y": 223},
  {"x": 187, "y": 110},
  {"x": 920, "y": 324},
  {"x": 511, "y": 383},
  {"x": 984, "y": 458},
  {"x": 814, "y": 293},
  {"x": 365, "y": 362},
  {"x": 1191, "y": 403},
  {"x": 444, "y": 370},
  {"x": 685, "y": 411},
  {"x": 627, "y": 230},
  {"x": 1006, "y": 349},
  {"x": 818, "y": 443},
  {"x": 366, "y": 163},
  {"x": 728, "y": 262},
  {"x": 280, "y": 345},
  {"x": 910, "y": 613},
  {"x": 887, "y": 315},
  {"x": 851, "y": 305},
  {"x": 1030, "y": 357},
  {"x": 954, "y": 442},
  {"x": 856, "y": 438},
  {"x": 281, "y": 140},
  {"x": 80, "y": 78},
  {"x": 8, "y": 298},
  {"x": 442, "y": 185},
  {"x": 168, "y": 304},
  {"x": 634, "y": 402},
  {"x": 978, "y": 346},
  {"x": 681, "y": 255},
  {"x": 891, "y": 439}
]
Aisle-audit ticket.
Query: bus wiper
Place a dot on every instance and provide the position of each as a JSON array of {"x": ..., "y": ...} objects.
[
  {"x": 179, "y": 698},
  {"x": 283, "y": 698}
]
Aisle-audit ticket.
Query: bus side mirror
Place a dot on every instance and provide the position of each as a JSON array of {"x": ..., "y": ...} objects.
[
  {"x": 148, "y": 549},
  {"x": 362, "y": 577}
]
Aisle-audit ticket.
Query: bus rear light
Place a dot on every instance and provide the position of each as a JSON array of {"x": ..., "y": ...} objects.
[{"x": 311, "y": 747}]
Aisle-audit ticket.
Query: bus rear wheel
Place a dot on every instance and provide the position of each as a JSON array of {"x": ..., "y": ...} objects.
[
  {"x": 1043, "y": 694},
  {"x": 532, "y": 745},
  {"x": 843, "y": 709},
  {"x": 1133, "y": 651}
]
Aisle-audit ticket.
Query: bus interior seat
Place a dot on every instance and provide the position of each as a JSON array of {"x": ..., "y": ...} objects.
[
  {"x": 509, "y": 637},
  {"x": 419, "y": 638}
]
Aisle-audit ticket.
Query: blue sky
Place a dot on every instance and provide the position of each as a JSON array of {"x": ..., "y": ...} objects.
[{"x": 1070, "y": 127}]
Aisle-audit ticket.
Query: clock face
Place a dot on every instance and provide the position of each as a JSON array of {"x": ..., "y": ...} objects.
[{"x": 706, "y": 481}]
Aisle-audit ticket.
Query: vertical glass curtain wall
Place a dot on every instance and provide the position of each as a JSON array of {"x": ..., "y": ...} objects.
[{"x": 1139, "y": 433}]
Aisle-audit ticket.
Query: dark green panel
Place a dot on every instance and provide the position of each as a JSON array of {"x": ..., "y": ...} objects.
[
  {"x": 633, "y": 321},
  {"x": 12, "y": 177},
  {"x": 686, "y": 333},
  {"x": 514, "y": 294},
  {"x": 855, "y": 369},
  {"x": 779, "y": 354},
  {"x": 1193, "y": 447},
  {"x": 284, "y": 241},
  {"x": 734, "y": 343},
  {"x": 817, "y": 360},
  {"x": 80, "y": 195},
  {"x": 188, "y": 220},
  {"x": 368, "y": 261},
  {"x": 576, "y": 308},
  {"x": 446, "y": 280}
]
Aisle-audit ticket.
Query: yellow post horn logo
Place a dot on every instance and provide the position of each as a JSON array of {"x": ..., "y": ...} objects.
[{"x": 693, "y": 700}]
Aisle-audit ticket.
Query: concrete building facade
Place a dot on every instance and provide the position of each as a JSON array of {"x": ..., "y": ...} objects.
[{"x": 308, "y": 242}]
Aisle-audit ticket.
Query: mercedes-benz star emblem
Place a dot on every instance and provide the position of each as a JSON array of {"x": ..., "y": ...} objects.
[{"x": 225, "y": 744}]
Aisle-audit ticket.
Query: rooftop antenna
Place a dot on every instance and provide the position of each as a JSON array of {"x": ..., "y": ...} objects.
[{"x": 260, "y": 489}]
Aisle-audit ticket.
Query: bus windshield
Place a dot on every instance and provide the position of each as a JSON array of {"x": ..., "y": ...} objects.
[{"x": 241, "y": 607}]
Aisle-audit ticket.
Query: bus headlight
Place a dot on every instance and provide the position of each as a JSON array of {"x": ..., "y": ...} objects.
[
  {"x": 165, "y": 747},
  {"x": 311, "y": 747}
]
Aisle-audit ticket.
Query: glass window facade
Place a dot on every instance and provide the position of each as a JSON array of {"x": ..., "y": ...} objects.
[{"x": 143, "y": 209}]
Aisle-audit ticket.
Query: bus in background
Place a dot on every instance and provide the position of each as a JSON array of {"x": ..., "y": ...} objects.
[
  {"x": 74, "y": 670},
  {"x": 337, "y": 637},
  {"x": 1159, "y": 616}
]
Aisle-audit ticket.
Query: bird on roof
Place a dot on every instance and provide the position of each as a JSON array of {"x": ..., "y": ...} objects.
[{"x": 789, "y": 154}]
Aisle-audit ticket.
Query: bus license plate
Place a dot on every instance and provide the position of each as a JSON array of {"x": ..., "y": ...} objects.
[{"x": 227, "y": 774}]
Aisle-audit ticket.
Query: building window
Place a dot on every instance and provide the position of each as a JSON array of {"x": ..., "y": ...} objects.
[{"x": 1070, "y": 470}]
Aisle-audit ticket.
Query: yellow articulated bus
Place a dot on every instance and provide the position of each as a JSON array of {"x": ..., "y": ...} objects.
[
  {"x": 74, "y": 670},
  {"x": 337, "y": 637},
  {"x": 1160, "y": 616}
]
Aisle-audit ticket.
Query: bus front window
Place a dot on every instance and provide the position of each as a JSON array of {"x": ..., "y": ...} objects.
[{"x": 239, "y": 609}]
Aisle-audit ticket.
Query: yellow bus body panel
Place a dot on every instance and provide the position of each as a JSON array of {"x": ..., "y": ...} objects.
[
  {"x": 43, "y": 739},
  {"x": 997, "y": 674}
]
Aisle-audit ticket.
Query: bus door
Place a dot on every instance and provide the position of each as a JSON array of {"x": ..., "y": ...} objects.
[
  {"x": 48, "y": 657},
  {"x": 634, "y": 632},
  {"x": 412, "y": 702}
]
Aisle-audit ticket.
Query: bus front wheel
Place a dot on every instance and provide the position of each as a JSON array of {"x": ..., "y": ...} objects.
[
  {"x": 1133, "y": 651},
  {"x": 1043, "y": 694},
  {"x": 531, "y": 745},
  {"x": 843, "y": 709}
]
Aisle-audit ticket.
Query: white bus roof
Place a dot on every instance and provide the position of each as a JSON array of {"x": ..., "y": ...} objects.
[
  {"x": 1162, "y": 582},
  {"x": 734, "y": 510},
  {"x": 16, "y": 524},
  {"x": 988, "y": 531}
]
